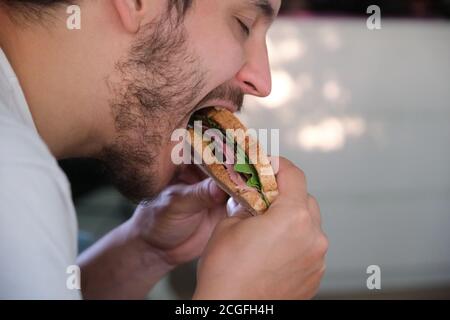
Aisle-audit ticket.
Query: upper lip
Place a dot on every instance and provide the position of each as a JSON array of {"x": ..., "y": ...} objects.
[{"x": 220, "y": 103}]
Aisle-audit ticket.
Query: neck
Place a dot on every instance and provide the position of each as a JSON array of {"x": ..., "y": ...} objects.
[{"x": 55, "y": 72}]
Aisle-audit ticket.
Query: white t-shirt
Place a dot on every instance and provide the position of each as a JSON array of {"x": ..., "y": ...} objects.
[{"x": 38, "y": 226}]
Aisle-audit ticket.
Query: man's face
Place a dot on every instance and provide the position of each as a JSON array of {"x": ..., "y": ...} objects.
[{"x": 173, "y": 68}]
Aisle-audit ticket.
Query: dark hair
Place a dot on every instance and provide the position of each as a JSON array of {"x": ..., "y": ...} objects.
[
  {"x": 182, "y": 6},
  {"x": 37, "y": 9}
]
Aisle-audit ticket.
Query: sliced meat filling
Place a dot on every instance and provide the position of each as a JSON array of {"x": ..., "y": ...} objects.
[{"x": 229, "y": 159}]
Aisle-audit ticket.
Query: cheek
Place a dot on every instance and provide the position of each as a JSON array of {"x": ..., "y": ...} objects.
[
  {"x": 223, "y": 64},
  {"x": 220, "y": 51}
]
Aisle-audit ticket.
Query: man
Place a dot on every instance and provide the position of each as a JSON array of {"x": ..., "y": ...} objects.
[{"x": 115, "y": 90}]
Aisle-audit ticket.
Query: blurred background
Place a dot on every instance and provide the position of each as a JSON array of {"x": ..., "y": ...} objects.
[{"x": 366, "y": 114}]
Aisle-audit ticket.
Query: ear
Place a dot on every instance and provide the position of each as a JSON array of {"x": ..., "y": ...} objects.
[{"x": 130, "y": 12}]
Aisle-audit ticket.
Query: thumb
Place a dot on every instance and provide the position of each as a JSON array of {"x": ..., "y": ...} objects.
[
  {"x": 236, "y": 210},
  {"x": 202, "y": 195}
]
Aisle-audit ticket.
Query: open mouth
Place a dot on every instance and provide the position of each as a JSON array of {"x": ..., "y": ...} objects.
[{"x": 200, "y": 113}]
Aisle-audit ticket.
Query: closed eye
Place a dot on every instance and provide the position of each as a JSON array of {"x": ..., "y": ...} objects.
[{"x": 244, "y": 27}]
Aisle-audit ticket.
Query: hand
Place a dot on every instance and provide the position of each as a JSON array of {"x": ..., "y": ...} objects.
[
  {"x": 180, "y": 220},
  {"x": 170, "y": 230},
  {"x": 278, "y": 255}
]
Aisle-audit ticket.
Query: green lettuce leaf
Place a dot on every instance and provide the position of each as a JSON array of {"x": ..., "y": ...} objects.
[
  {"x": 249, "y": 169},
  {"x": 243, "y": 168}
]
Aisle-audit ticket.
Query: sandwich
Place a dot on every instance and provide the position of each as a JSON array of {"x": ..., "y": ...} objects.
[{"x": 233, "y": 158}]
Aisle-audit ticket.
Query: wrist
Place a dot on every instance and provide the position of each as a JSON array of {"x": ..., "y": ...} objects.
[{"x": 121, "y": 265}]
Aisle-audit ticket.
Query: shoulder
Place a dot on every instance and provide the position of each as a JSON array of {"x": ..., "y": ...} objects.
[
  {"x": 25, "y": 156},
  {"x": 37, "y": 219}
]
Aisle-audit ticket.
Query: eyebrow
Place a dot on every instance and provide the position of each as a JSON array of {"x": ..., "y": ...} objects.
[{"x": 265, "y": 7}]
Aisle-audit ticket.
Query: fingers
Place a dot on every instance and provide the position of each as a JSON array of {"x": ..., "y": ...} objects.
[
  {"x": 199, "y": 240},
  {"x": 292, "y": 189},
  {"x": 193, "y": 198},
  {"x": 291, "y": 182}
]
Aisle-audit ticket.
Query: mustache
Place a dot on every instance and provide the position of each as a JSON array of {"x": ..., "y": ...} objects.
[{"x": 225, "y": 92}]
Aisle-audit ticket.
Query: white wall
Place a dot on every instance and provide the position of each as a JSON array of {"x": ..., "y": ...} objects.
[{"x": 366, "y": 114}]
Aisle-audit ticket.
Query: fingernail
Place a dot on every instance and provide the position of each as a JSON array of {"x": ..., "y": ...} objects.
[{"x": 231, "y": 206}]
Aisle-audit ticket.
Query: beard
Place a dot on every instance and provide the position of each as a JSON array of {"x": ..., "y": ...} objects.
[{"x": 157, "y": 85}]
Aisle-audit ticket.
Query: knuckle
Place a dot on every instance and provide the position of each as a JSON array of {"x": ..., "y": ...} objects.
[
  {"x": 168, "y": 192},
  {"x": 301, "y": 218},
  {"x": 292, "y": 170},
  {"x": 299, "y": 223},
  {"x": 289, "y": 165},
  {"x": 286, "y": 162},
  {"x": 200, "y": 192},
  {"x": 301, "y": 175},
  {"x": 169, "y": 195},
  {"x": 312, "y": 199},
  {"x": 323, "y": 244}
]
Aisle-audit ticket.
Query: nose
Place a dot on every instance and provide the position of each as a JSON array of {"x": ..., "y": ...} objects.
[{"x": 254, "y": 77}]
